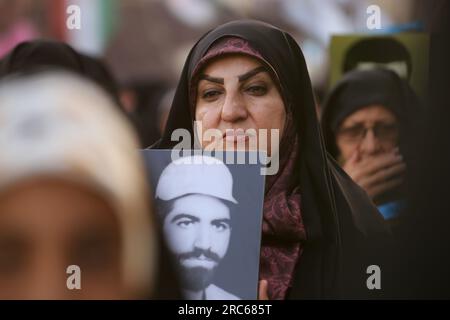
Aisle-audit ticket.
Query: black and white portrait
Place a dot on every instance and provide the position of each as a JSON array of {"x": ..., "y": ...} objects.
[{"x": 210, "y": 214}]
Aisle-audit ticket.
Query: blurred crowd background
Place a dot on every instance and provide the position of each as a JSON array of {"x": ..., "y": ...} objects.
[{"x": 145, "y": 42}]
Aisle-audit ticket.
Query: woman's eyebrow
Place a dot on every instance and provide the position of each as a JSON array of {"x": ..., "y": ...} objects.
[
  {"x": 241, "y": 78},
  {"x": 212, "y": 79},
  {"x": 251, "y": 73}
]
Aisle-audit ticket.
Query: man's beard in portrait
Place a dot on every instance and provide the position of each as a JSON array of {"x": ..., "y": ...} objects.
[{"x": 196, "y": 278}]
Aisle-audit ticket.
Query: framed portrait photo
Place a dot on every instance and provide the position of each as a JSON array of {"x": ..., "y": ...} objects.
[{"x": 210, "y": 211}]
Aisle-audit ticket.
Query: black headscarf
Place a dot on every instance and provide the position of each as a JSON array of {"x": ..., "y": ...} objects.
[
  {"x": 377, "y": 49},
  {"x": 37, "y": 55},
  {"x": 338, "y": 216},
  {"x": 359, "y": 89}
]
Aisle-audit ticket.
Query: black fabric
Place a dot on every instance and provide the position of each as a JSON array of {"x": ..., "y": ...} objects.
[
  {"x": 148, "y": 95},
  {"x": 423, "y": 255},
  {"x": 376, "y": 49},
  {"x": 36, "y": 55},
  {"x": 337, "y": 213}
]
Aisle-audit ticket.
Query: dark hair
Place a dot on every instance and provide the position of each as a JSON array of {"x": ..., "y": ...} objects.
[{"x": 163, "y": 207}]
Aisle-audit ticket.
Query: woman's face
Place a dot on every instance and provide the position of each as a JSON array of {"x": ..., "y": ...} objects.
[
  {"x": 370, "y": 131},
  {"x": 236, "y": 93},
  {"x": 47, "y": 225}
]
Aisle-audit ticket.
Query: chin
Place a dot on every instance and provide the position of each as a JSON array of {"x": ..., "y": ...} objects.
[{"x": 197, "y": 278}]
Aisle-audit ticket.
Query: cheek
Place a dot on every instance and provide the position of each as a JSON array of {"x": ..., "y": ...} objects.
[
  {"x": 15, "y": 271},
  {"x": 269, "y": 113},
  {"x": 179, "y": 240},
  {"x": 279, "y": 116},
  {"x": 389, "y": 145},
  {"x": 206, "y": 119},
  {"x": 209, "y": 115},
  {"x": 221, "y": 242},
  {"x": 345, "y": 149},
  {"x": 107, "y": 285}
]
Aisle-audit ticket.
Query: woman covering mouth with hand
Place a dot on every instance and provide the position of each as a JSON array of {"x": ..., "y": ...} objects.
[{"x": 371, "y": 124}]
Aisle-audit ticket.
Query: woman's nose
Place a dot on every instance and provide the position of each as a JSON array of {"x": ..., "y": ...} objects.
[
  {"x": 370, "y": 144},
  {"x": 234, "y": 108}
]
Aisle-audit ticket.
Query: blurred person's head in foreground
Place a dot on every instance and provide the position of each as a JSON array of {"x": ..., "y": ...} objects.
[
  {"x": 194, "y": 197},
  {"x": 369, "y": 121},
  {"x": 40, "y": 55},
  {"x": 72, "y": 192}
]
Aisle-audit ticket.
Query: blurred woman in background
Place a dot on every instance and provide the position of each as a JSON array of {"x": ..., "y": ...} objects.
[{"x": 371, "y": 126}]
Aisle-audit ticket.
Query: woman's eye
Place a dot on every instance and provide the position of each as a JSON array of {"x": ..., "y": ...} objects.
[
  {"x": 210, "y": 94},
  {"x": 257, "y": 90}
]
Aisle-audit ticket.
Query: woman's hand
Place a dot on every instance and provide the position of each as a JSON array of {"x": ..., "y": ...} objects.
[
  {"x": 262, "y": 295},
  {"x": 376, "y": 174}
]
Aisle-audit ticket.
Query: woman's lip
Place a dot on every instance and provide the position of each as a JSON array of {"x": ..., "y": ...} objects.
[
  {"x": 233, "y": 138},
  {"x": 235, "y": 133}
]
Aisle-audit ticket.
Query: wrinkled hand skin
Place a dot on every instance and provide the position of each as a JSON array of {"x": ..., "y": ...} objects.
[{"x": 376, "y": 174}]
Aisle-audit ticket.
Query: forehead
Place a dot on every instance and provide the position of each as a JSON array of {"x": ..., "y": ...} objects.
[
  {"x": 370, "y": 114},
  {"x": 231, "y": 65},
  {"x": 47, "y": 203},
  {"x": 200, "y": 206}
]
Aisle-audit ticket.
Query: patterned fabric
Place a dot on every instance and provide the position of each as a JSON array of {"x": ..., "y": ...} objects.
[
  {"x": 228, "y": 45},
  {"x": 283, "y": 228}
]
